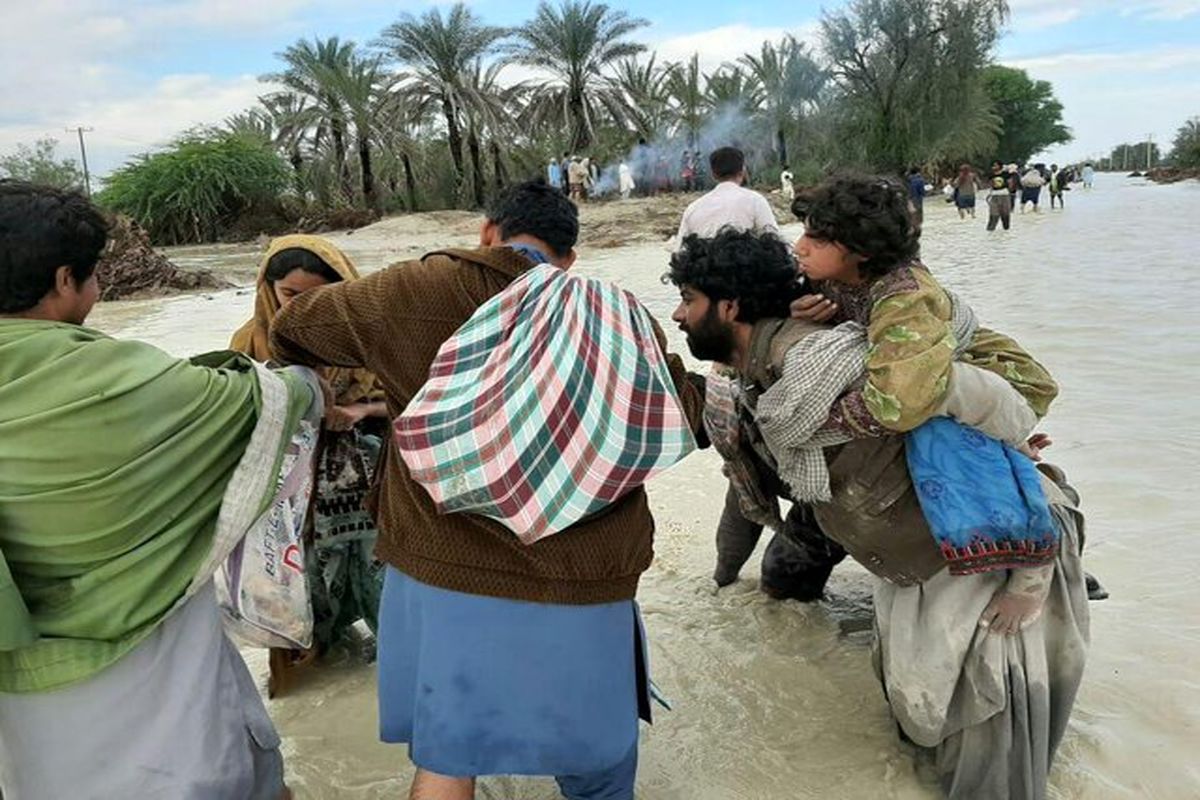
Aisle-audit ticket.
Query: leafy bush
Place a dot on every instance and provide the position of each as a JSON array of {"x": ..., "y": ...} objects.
[
  {"x": 197, "y": 188},
  {"x": 40, "y": 164},
  {"x": 1186, "y": 152}
]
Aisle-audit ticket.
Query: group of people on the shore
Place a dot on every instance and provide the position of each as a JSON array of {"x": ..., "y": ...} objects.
[
  {"x": 578, "y": 178},
  {"x": 485, "y": 423},
  {"x": 1008, "y": 187},
  {"x": 644, "y": 172},
  {"x": 661, "y": 169}
]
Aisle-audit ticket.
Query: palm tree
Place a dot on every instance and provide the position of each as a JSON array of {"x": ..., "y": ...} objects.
[
  {"x": 732, "y": 88},
  {"x": 399, "y": 114},
  {"x": 575, "y": 41},
  {"x": 358, "y": 90},
  {"x": 685, "y": 87},
  {"x": 312, "y": 68},
  {"x": 292, "y": 121},
  {"x": 791, "y": 83},
  {"x": 1185, "y": 150},
  {"x": 253, "y": 122},
  {"x": 478, "y": 96},
  {"x": 642, "y": 87},
  {"x": 439, "y": 51},
  {"x": 490, "y": 110}
]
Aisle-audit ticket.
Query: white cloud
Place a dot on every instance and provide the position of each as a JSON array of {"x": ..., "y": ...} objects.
[
  {"x": 173, "y": 104},
  {"x": 122, "y": 126},
  {"x": 1126, "y": 63},
  {"x": 1044, "y": 19},
  {"x": 237, "y": 14},
  {"x": 726, "y": 43},
  {"x": 1147, "y": 9},
  {"x": 1104, "y": 118},
  {"x": 65, "y": 62},
  {"x": 1164, "y": 9},
  {"x": 1110, "y": 98}
]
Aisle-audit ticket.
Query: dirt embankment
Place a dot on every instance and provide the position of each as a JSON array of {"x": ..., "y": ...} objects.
[
  {"x": 134, "y": 269},
  {"x": 131, "y": 268},
  {"x": 648, "y": 219},
  {"x": 1173, "y": 174},
  {"x": 602, "y": 225},
  {"x": 606, "y": 225}
]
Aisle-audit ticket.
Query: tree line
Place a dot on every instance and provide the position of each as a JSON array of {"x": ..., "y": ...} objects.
[
  {"x": 424, "y": 109},
  {"x": 424, "y": 117}
]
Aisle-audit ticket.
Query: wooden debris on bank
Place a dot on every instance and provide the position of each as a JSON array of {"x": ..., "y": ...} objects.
[{"x": 131, "y": 267}]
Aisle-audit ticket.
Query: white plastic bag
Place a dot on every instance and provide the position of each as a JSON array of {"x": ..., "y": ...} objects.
[{"x": 262, "y": 586}]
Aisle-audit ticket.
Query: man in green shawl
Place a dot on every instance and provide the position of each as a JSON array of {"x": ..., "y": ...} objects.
[{"x": 126, "y": 476}]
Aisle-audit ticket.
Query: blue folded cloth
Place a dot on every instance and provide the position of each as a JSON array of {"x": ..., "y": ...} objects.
[{"x": 982, "y": 498}]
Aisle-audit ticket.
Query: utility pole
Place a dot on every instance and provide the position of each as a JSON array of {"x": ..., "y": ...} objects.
[
  {"x": 1149, "y": 138},
  {"x": 87, "y": 179}
]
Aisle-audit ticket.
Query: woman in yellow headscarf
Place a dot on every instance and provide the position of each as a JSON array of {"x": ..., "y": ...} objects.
[{"x": 345, "y": 580}]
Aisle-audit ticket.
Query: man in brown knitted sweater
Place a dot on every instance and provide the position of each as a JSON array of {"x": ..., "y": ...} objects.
[{"x": 494, "y": 657}]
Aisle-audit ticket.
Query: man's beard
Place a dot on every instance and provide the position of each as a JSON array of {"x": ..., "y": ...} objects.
[{"x": 710, "y": 339}]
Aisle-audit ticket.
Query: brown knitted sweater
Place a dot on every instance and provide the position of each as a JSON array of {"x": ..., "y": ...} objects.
[{"x": 392, "y": 323}]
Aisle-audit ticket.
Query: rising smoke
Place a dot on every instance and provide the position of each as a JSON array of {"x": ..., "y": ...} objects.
[{"x": 731, "y": 125}]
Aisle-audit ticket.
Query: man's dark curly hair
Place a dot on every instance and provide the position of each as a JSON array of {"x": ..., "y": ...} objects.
[
  {"x": 537, "y": 209},
  {"x": 756, "y": 269},
  {"x": 867, "y": 215},
  {"x": 42, "y": 229}
]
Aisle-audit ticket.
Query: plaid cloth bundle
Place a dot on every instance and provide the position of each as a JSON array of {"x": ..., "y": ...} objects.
[{"x": 551, "y": 402}]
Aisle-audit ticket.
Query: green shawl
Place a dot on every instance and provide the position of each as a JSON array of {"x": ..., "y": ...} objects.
[{"x": 114, "y": 461}]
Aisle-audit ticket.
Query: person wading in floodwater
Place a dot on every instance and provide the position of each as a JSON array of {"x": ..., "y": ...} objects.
[
  {"x": 999, "y": 199},
  {"x": 981, "y": 650}
]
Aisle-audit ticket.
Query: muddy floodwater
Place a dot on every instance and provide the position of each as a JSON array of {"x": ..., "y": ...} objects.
[{"x": 776, "y": 700}]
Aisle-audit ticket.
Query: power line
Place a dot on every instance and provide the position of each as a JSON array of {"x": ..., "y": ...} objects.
[{"x": 87, "y": 179}]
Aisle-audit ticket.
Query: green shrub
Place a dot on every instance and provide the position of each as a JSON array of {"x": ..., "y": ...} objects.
[
  {"x": 198, "y": 187},
  {"x": 40, "y": 164},
  {"x": 1186, "y": 153}
]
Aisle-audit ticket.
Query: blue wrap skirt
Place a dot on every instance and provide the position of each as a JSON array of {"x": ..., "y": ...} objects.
[{"x": 488, "y": 686}]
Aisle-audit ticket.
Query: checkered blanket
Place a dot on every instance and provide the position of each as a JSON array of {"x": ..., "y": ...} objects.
[{"x": 549, "y": 404}]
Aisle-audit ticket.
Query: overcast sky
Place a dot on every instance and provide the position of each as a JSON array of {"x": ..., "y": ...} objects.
[{"x": 140, "y": 71}]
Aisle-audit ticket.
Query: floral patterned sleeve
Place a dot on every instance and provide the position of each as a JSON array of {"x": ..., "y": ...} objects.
[
  {"x": 911, "y": 350},
  {"x": 907, "y": 316},
  {"x": 850, "y": 414},
  {"x": 1002, "y": 355},
  {"x": 908, "y": 365},
  {"x": 907, "y": 362}
]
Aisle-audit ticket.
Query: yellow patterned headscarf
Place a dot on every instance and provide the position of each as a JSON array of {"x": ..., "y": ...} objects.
[{"x": 254, "y": 338}]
